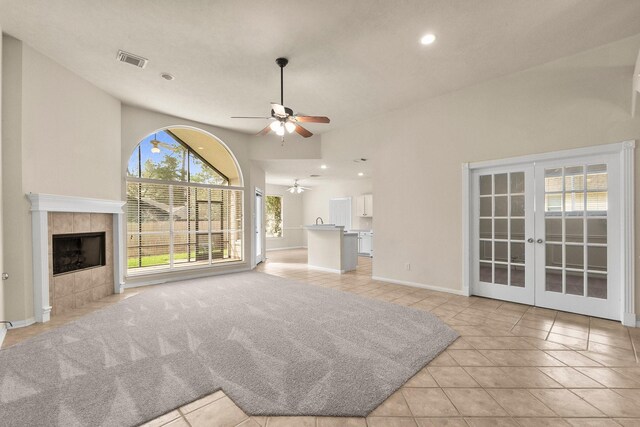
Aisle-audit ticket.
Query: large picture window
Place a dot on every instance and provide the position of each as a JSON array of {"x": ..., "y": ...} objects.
[
  {"x": 181, "y": 208},
  {"x": 273, "y": 212}
]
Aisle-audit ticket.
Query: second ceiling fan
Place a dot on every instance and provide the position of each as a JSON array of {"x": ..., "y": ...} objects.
[{"x": 283, "y": 119}]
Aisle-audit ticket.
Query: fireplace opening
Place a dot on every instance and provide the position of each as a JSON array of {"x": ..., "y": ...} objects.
[{"x": 73, "y": 252}]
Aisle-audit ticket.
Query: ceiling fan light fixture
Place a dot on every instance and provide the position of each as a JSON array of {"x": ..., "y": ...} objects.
[
  {"x": 292, "y": 190},
  {"x": 280, "y": 131},
  {"x": 299, "y": 190},
  {"x": 155, "y": 143},
  {"x": 290, "y": 127},
  {"x": 428, "y": 39}
]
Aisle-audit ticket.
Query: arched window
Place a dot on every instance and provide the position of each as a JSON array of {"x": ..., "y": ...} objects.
[{"x": 184, "y": 202}]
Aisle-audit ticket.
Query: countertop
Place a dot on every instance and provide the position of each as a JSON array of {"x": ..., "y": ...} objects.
[{"x": 329, "y": 227}]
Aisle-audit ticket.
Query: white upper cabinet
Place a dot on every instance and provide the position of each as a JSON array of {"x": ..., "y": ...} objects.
[{"x": 364, "y": 205}]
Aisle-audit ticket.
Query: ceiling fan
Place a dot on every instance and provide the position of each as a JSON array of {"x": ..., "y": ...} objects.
[
  {"x": 297, "y": 188},
  {"x": 282, "y": 117}
]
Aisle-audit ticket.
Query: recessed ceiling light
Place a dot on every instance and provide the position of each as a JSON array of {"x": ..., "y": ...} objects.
[
  {"x": 323, "y": 166},
  {"x": 428, "y": 38},
  {"x": 167, "y": 76},
  {"x": 200, "y": 148},
  {"x": 360, "y": 174}
]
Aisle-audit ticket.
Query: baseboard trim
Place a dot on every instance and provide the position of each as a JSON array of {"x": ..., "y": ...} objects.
[
  {"x": 164, "y": 280},
  {"x": 3, "y": 333},
  {"x": 420, "y": 285},
  {"x": 328, "y": 270},
  {"x": 22, "y": 323},
  {"x": 286, "y": 249}
]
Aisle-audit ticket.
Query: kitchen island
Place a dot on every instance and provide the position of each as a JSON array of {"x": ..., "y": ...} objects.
[{"x": 331, "y": 249}]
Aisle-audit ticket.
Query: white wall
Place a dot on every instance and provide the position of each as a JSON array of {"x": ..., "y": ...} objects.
[
  {"x": 577, "y": 101},
  {"x": 292, "y": 233},
  {"x": 257, "y": 183},
  {"x": 61, "y": 135},
  {"x": 316, "y": 201}
]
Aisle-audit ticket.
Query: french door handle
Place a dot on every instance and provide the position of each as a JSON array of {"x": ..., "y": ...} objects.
[
  {"x": 539, "y": 240},
  {"x": 530, "y": 240}
]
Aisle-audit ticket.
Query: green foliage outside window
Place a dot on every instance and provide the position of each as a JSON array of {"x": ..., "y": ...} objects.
[{"x": 273, "y": 216}]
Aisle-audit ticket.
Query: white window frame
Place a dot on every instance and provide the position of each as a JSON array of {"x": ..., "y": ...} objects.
[{"x": 626, "y": 152}]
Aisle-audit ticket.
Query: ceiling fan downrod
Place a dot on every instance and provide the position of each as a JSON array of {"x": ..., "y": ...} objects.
[{"x": 282, "y": 62}]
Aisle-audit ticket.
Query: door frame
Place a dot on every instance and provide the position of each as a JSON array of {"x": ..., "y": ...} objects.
[
  {"x": 625, "y": 154},
  {"x": 258, "y": 236}
]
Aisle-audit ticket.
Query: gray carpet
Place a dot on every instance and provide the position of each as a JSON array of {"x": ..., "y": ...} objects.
[{"x": 274, "y": 346}]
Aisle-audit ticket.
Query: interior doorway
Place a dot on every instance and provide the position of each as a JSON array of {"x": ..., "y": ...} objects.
[
  {"x": 259, "y": 230},
  {"x": 551, "y": 231}
]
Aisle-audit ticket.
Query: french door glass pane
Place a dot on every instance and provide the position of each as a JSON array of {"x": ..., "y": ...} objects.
[
  {"x": 597, "y": 285},
  {"x": 501, "y": 205},
  {"x": 486, "y": 185},
  {"x": 553, "y": 282},
  {"x": 486, "y": 229},
  {"x": 517, "y": 182},
  {"x": 597, "y": 230},
  {"x": 553, "y": 229},
  {"x": 575, "y": 282},
  {"x": 517, "y": 205},
  {"x": 574, "y": 230},
  {"x": 574, "y": 256},
  {"x": 485, "y": 207},
  {"x": 517, "y": 275},
  {"x": 501, "y": 183},
  {"x": 501, "y": 254},
  {"x": 486, "y": 272},
  {"x": 502, "y": 276},
  {"x": 517, "y": 229},
  {"x": 597, "y": 258},
  {"x": 486, "y": 253}
]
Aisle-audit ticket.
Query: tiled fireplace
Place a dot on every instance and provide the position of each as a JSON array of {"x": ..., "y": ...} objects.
[
  {"x": 73, "y": 289},
  {"x": 80, "y": 277}
]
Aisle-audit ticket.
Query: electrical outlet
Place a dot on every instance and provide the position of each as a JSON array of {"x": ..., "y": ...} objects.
[{"x": 407, "y": 266}]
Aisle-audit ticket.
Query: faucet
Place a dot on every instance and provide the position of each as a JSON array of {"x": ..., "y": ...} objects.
[{"x": 321, "y": 221}]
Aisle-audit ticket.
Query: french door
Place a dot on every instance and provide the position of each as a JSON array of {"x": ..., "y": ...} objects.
[
  {"x": 578, "y": 236},
  {"x": 503, "y": 209},
  {"x": 546, "y": 234}
]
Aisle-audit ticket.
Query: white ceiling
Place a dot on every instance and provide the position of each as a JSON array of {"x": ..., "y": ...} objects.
[
  {"x": 348, "y": 59},
  {"x": 283, "y": 172}
]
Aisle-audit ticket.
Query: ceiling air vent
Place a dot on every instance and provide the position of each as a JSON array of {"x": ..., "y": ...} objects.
[{"x": 132, "y": 59}]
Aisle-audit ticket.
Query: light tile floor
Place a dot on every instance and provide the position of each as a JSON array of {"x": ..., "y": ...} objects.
[{"x": 514, "y": 365}]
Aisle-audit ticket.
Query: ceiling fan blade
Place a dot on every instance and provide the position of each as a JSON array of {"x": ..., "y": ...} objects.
[
  {"x": 302, "y": 131},
  {"x": 249, "y": 117},
  {"x": 306, "y": 188},
  {"x": 278, "y": 109},
  {"x": 311, "y": 119},
  {"x": 265, "y": 131}
]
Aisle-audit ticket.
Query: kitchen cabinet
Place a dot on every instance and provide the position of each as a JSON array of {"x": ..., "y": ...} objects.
[
  {"x": 364, "y": 205},
  {"x": 365, "y": 243}
]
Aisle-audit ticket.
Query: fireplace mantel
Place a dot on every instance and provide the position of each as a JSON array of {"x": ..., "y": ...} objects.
[
  {"x": 41, "y": 205},
  {"x": 54, "y": 203}
]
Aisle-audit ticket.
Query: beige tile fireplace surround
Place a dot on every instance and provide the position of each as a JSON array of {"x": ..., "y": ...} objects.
[{"x": 77, "y": 288}]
